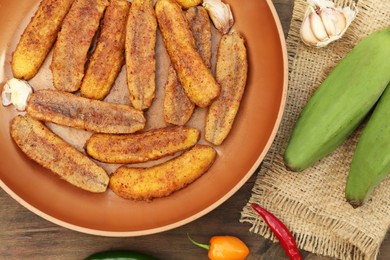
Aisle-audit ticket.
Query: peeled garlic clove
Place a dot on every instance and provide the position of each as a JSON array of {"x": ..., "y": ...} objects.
[
  {"x": 317, "y": 27},
  {"x": 16, "y": 92},
  {"x": 220, "y": 14},
  {"x": 306, "y": 33}
]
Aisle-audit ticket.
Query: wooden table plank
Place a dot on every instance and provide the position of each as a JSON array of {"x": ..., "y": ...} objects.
[{"x": 24, "y": 235}]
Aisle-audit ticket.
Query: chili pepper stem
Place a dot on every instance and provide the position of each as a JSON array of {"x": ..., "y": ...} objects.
[{"x": 205, "y": 246}]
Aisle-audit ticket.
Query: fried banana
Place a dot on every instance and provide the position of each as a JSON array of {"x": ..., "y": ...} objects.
[
  {"x": 192, "y": 72},
  {"x": 140, "y": 53},
  {"x": 38, "y": 38},
  {"x": 199, "y": 22},
  {"x": 178, "y": 108},
  {"x": 163, "y": 179},
  {"x": 107, "y": 59},
  {"x": 92, "y": 115},
  {"x": 135, "y": 148},
  {"x": 49, "y": 150},
  {"x": 74, "y": 40},
  {"x": 231, "y": 73}
]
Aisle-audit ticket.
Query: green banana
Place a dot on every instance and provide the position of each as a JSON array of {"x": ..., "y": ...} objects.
[
  {"x": 371, "y": 159},
  {"x": 341, "y": 102}
]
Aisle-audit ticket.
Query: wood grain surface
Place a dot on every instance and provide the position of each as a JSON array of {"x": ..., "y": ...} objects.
[{"x": 24, "y": 235}]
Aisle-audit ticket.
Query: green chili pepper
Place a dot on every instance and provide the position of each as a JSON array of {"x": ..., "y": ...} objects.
[{"x": 120, "y": 255}]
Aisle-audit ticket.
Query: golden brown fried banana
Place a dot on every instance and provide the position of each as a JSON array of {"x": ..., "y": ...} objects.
[
  {"x": 199, "y": 22},
  {"x": 163, "y": 179},
  {"x": 178, "y": 108},
  {"x": 231, "y": 73},
  {"x": 135, "y": 148},
  {"x": 140, "y": 53},
  {"x": 194, "y": 75},
  {"x": 74, "y": 40},
  {"x": 49, "y": 150},
  {"x": 93, "y": 115},
  {"x": 38, "y": 38},
  {"x": 107, "y": 59}
]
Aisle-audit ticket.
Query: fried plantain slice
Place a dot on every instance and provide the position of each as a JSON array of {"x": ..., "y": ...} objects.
[
  {"x": 92, "y": 115},
  {"x": 163, "y": 179},
  {"x": 192, "y": 72},
  {"x": 74, "y": 40},
  {"x": 107, "y": 59},
  {"x": 178, "y": 108},
  {"x": 140, "y": 53},
  {"x": 135, "y": 148},
  {"x": 200, "y": 26},
  {"x": 49, "y": 150},
  {"x": 38, "y": 38},
  {"x": 231, "y": 73}
]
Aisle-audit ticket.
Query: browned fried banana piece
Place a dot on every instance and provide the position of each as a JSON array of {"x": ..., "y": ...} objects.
[
  {"x": 93, "y": 115},
  {"x": 74, "y": 40},
  {"x": 38, "y": 38},
  {"x": 140, "y": 53},
  {"x": 199, "y": 22},
  {"x": 107, "y": 59},
  {"x": 231, "y": 73},
  {"x": 178, "y": 108},
  {"x": 135, "y": 148},
  {"x": 163, "y": 179},
  {"x": 193, "y": 73},
  {"x": 49, "y": 150}
]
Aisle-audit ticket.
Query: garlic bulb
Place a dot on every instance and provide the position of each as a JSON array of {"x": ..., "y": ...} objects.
[
  {"x": 324, "y": 23},
  {"x": 16, "y": 92},
  {"x": 220, "y": 13}
]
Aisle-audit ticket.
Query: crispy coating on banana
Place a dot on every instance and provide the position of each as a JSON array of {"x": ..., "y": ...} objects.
[
  {"x": 178, "y": 108},
  {"x": 140, "y": 53},
  {"x": 74, "y": 40},
  {"x": 199, "y": 22},
  {"x": 135, "y": 148},
  {"x": 231, "y": 73},
  {"x": 38, "y": 38},
  {"x": 49, "y": 150},
  {"x": 92, "y": 115},
  {"x": 163, "y": 179},
  {"x": 194, "y": 75},
  {"x": 107, "y": 59}
]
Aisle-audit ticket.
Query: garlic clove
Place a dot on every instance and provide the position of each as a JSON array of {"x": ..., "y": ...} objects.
[
  {"x": 328, "y": 23},
  {"x": 6, "y": 95},
  {"x": 317, "y": 27},
  {"x": 307, "y": 34},
  {"x": 329, "y": 19},
  {"x": 220, "y": 14},
  {"x": 16, "y": 92},
  {"x": 340, "y": 23}
]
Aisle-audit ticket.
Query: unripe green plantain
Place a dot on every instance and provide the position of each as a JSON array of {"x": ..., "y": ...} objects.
[
  {"x": 371, "y": 160},
  {"x": 341, "y": 102}
]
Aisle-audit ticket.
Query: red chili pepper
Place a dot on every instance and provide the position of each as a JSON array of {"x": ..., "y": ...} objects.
[{"x": 281, "y": 232}]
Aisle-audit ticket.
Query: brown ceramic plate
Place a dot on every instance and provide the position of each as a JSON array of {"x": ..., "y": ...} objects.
[{"x": 106, "y": 214}]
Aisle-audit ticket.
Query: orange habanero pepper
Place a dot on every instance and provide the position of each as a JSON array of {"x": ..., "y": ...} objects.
[{"x": 225, "y": 248}]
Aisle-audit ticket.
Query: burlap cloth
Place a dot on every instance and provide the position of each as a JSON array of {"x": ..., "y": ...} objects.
[{"x": 312, "y": 203}]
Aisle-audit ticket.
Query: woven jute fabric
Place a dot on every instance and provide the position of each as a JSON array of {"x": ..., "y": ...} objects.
[{"x": 312, "y": 203}]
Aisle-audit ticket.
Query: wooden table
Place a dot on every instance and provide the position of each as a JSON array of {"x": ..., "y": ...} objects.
[{"x": 24, "y": 235}]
